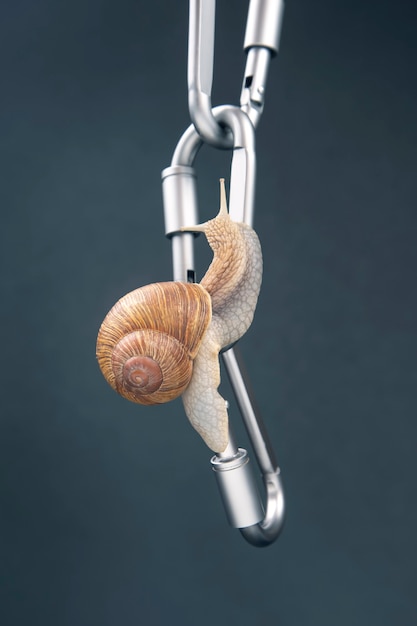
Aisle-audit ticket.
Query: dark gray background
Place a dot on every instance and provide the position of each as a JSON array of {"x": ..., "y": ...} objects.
[{"x": 109, "y": 512}]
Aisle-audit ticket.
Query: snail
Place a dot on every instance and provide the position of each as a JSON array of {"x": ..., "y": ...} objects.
[{"x": 163, "y": 340}]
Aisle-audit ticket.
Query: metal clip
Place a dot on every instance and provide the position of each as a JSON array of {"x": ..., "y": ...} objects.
[
  {"x": 232, "y": 470},
  {"x": 263, "y": 30},
  {"x": 261, "y": 42}
]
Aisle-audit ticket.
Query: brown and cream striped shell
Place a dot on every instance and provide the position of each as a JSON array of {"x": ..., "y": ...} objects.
[{"x": 149, "y": 339}]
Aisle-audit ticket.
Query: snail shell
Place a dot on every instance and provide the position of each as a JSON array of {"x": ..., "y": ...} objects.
[
  {"x": 145, "y": 353},
  {"x": 163, "y": 340}
]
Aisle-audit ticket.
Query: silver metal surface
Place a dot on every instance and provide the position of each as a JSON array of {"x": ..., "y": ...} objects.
[
  {"x": 262, "y": 34},
  {"x": 183, "y": 257},
  {"x": 179, "y": 192},
  {"x": 243, "y": 168},
  {"x": 200, "y": 73},
  {"x": 179, "y": 184},
  {"x": 268, "y": 530},
  {"x": 238, "y": 489},
  {"x": 263, "y": 27},
  {"x": 252, "y": 97},
  {"x": 261, "y": 41}
]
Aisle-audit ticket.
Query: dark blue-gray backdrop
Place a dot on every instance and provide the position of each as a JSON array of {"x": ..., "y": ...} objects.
[{"x": 109, "y": 512}]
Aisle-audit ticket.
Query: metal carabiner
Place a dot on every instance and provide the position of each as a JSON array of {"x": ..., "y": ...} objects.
[
  {"x": 261, "y": 42},
  {"x": 234, "y": 477}
]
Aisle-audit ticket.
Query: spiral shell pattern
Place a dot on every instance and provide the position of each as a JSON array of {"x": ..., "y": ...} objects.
[{"x": 149, "y": 339}]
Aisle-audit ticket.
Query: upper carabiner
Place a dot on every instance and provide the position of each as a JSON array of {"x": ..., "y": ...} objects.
[{"x": 261, "y": 43}]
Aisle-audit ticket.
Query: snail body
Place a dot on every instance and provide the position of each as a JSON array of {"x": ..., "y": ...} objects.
[
  {"x": 233, "y": 281},
  {"x": 163, "y": 340}
]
